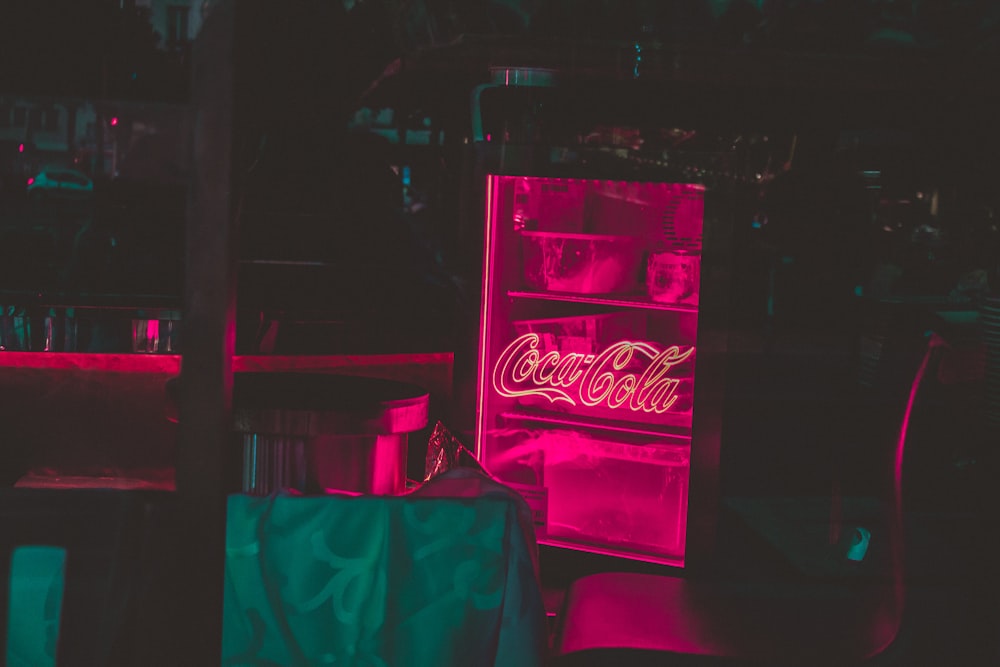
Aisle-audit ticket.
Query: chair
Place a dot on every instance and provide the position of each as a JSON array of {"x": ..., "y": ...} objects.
[
  {"x": 641, "y": 619},
  {"x": 380, "y": 580}
]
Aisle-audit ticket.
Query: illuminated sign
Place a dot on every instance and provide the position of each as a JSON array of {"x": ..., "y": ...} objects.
[{"x": 587, "y": 379}]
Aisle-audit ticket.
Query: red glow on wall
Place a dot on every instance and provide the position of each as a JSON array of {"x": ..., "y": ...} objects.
[{"x": 114, "y": 121}]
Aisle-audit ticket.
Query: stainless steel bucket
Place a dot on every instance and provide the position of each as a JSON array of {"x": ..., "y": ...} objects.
[{"x": 317, "y": 433}]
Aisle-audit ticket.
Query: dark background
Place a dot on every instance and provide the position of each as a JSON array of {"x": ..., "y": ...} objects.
[{"x": 902, "y": 96}]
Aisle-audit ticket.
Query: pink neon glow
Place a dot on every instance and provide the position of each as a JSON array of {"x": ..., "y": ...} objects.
[
  {"x": 896, "y": 542},
  {"x": 114, "y": 121},
  {"x": 587, "y": 357},
  {"x": 602, "y": 491},
  {"x": 431, "y": 370},
  {"x": 31, "y": 179},
  {"x": 485, "y": 315},
  {"x": 20, "y": 148},
  {"x": 592, "y": 380}
]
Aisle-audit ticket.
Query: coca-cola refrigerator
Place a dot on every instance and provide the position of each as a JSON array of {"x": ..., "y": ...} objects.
[{"x": 591, "y": 398}]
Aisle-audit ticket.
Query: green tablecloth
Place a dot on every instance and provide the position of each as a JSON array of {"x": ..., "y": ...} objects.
[{"x": 380, "y": 581}]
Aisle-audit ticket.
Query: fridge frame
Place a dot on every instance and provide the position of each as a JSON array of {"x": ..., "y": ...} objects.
[{"x": 709, "y": 389}]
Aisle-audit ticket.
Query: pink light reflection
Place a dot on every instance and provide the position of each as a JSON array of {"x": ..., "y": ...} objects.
[
  {"x": 606, "y": 492},
  {"x": 593, "y": 380},
  {"x": 587, "y": 357},
  {"x": 485, "y": 315},
  {"x": 888, "y": 624},
  {"x": 673, "y": 561},
  {"x": 119, "y": 363}
]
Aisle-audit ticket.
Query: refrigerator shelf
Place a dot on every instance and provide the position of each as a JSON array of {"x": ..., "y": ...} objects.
[
  {"x": 678, "y": 433},
  {"x": 642, "y": 301},
  {"x": 632, "y": 551}
]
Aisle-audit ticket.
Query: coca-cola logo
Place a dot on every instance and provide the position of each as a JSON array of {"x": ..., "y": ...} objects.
[{"x": 591, "y": 379}]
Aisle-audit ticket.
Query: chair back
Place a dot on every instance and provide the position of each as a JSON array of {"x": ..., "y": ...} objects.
[
  {"x": 851, "y": 613},
  {"x": 894, "y": 608}
]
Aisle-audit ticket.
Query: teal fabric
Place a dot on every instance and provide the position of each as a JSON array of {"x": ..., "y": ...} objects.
[
  {"x": 367, "y": 581},
  {"x": 37, "y": 580}
]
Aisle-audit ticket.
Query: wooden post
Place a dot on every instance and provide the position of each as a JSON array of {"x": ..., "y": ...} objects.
[{"x": 205, "y": 396}]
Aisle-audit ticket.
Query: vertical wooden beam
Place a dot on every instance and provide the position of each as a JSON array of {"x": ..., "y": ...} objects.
[{"x": 205, "y": 396}]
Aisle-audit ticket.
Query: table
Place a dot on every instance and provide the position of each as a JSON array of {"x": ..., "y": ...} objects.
[{"x": 387, "y": 581}]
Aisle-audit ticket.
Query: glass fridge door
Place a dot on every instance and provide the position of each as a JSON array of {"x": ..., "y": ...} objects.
[{"x": 587, "y": 360}]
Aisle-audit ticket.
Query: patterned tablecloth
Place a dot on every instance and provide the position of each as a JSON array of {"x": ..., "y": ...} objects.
[{"x": 368, "y": 581}]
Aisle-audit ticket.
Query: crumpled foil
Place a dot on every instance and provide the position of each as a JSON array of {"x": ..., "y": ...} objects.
[{"x": 446, "y": 452}]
